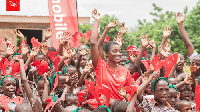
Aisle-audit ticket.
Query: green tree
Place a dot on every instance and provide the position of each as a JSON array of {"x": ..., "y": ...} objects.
[{"x": 161, "y": 19}]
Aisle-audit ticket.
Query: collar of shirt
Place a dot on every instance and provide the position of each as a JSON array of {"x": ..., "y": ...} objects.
[{"x": 166, "y": 104}]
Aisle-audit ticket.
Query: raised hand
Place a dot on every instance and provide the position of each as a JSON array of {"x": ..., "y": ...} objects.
[
  {"x": 87, "y": 68},
  {"x": 123, "y": 30},
  {"x": 122, "y": 91},
  {"x": 67, "y": 35},
  {"x": 84, "y": 52},
  {"x": 48, "y": 34},
  {"x": 7, "y": 40},
  {"x": 167, "y": 47},
  {"x": 45, "y": 78},
  {"x": 19, "y": 34},
  {"x": 92, "y": 76},
  {"x": 145, "y": 77},
  {"x": 45, "y": 48},
  {"x": 119, "y": 40},
  {"x": 188, "y": 79},
  {"x": 162, "y": 52},
  {"x": 112, "y": 24},
  {"x": 153, "y": 44},
  {"x": 70, "y": 52},
  {"x": 179, "y": 18},
  {"x": 167, "y": 32},
  {"x": 24, "y": 49},
  {"x": 144, "y": 40},
  {"x": 34, "y": 51},
  {"x": 96, "y": 15},
  {"x": 155, "y": 75},
  {"x": 11, "y": 49}
]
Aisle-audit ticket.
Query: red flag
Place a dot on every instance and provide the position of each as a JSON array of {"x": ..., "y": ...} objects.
[
  {"x": 12, "y": 5},
  {"x": 63, "y": 17},
  {"x": 197, "y": 93}
]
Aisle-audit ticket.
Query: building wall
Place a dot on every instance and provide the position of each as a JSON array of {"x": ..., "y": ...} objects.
[{"x": 8, "y": 23}]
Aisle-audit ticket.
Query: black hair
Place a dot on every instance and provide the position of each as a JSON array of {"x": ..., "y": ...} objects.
[
  {"x": 52, "y": 49},
  {"x": 100, "y": 109},
  {"x": 119, "y": 106},
  {"x": 108, "y": 45},
  {"x": 179, "y": 104}
]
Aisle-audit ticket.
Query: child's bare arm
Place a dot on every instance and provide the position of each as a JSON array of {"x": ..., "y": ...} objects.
[
  {"x": 144, "y": 42},
  {"x": 45, "y": 91},
  {"x": 145, "y": 84},
  {"x": 171, "y": 74},
  {"x": 131, "y": 106},
  {"x": 25, "y": 82}
]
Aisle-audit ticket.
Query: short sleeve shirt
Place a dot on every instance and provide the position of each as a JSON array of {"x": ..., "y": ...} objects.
[
  {"x": 113, "y": 78},
  {"x": 192, "y": 56},
  {"x": 149, "y": 106}
]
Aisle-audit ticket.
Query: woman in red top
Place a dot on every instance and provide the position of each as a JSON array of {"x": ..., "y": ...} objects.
[{"x": 110, "y": 73}]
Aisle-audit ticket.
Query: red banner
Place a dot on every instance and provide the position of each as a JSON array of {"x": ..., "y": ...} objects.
[
  {"x": 12, "y": 5},
  {"x": 63, "y": 17}
]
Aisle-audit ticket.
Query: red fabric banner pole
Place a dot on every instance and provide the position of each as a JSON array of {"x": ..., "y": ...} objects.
[{"x": 63, "y": 17}]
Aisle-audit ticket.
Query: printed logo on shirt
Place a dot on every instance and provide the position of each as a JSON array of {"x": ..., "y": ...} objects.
[{"x": 12, "y": 5}]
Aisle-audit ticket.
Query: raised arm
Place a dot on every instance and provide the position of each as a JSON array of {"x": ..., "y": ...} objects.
[
  {"x": 131, "y": 106},
  {"x": 25, "y": 82},
  {"x": 144, "y": 42},
  {"x": 189, "y": 47},
  {"x": 101, "y": 39},
  {"x": 171, "y": 74},
  {"x": 166, "y": 33},
  {"x": 48, "y": 34},
  {"x": 145, "y": 84},
  {"x": 46, "y": 87},
  {"x": 94, "y": 38}
]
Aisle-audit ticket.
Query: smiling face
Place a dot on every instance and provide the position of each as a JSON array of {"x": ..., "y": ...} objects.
[
  {"x": 161, "y": 91},
  {"x": 114, "y": 54},
  {"x": 172, "y": 99},
  {"x": 181, "y": 63},
  {"x": 9, "y": 86}
]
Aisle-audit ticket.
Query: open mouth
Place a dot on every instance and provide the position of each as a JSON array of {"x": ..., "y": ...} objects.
[
  {"x": 12, "y": 92},
  {"x": 163, "y": 98}
]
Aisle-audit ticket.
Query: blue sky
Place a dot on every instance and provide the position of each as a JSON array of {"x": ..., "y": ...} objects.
[{"x": 130, "y": 11}]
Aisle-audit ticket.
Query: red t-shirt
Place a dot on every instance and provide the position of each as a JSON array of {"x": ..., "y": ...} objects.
[{"x": 113, "y": 78}]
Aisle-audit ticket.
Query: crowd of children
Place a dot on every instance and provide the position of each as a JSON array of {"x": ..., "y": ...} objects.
[{"x": 70, "y": 79}]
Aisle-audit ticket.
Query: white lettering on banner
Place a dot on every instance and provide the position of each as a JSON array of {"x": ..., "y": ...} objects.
[
  {"x": 58, "y": 19},
  {"x": 56, "y": 8}
]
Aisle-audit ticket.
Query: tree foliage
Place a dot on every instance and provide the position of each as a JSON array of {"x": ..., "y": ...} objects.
[
  {"x": 155, "y": 28},
  {"x": 161, "y": 19}
]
